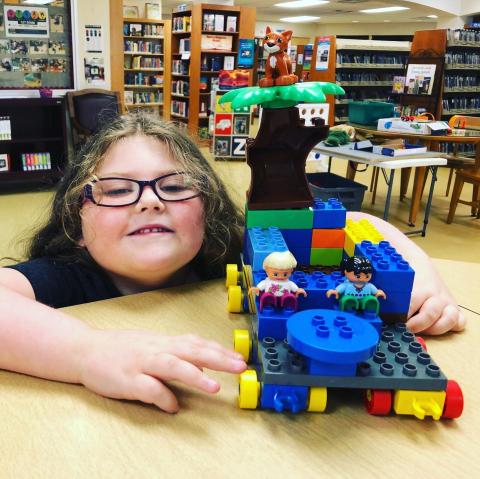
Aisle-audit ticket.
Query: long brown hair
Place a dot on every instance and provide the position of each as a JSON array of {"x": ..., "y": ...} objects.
[{"x": 223, "y": 221}]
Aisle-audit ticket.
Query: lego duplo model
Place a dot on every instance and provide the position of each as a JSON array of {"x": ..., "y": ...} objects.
[{"x": 299, "y": 346}]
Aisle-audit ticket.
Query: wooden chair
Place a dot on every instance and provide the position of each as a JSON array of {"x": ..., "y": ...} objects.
[
  {"x": 91, "y": 109},
  {"x": 467, "y": 175}
]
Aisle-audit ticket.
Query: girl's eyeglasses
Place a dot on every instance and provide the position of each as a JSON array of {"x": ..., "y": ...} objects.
[{"x": 125, "y": 191}]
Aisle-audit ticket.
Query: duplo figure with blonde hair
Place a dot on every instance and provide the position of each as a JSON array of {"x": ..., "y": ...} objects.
[{"x": 277, "y": 289}]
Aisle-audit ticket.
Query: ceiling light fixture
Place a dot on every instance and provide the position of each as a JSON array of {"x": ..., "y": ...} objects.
[
  {"x": 37, "y": 2},
  {"x": 301, "y": 3},
  {"x": 432, "y": 16},
  {"x": 384, "y": 9},
  {"x": 299, "y": 19}
]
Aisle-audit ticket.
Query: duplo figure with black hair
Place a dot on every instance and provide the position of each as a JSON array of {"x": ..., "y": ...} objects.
[{"x": 356, "y": 292}]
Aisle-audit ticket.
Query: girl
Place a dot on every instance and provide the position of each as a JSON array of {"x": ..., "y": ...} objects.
[{"x": 140, "y": 209}]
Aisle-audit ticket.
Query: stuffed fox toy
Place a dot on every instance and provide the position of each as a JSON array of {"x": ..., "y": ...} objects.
[{"x": 278, "y": 70}]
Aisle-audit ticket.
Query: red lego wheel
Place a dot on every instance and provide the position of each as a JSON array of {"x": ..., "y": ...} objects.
[
  {"x": 422, "y": 342},
  {"x": 453, "y": 401},
  {"x": 378, "y": 402}
]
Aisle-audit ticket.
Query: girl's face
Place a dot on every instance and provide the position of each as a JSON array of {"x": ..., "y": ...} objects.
[{"x": 147, "y": 242}]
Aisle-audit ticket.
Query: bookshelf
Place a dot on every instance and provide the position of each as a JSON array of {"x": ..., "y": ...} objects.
[
  {"x": 461, "y": 91},
  {"x": 364, "y": 68},
  {"x": 37, "y": 146},
  {"x": 140, "y": 59},
  {"x": 204, "y": 39}
]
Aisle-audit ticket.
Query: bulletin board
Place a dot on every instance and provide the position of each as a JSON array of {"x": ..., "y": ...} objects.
[{"x": 35, "y": 45}]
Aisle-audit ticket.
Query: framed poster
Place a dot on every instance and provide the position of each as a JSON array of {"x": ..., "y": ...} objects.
[
  {"x": 323, "y": 53},
  {"x": 26, "y": 22},
  {"x": 246, "y": 50}
]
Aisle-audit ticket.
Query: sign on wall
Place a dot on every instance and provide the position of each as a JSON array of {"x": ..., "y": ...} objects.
[{"x": 31, "y": 22}]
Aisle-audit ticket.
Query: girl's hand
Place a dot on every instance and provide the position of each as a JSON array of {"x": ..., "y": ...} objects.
[
  {"x": 136, "y": 365},
  {"x": 436, "y": 310}
]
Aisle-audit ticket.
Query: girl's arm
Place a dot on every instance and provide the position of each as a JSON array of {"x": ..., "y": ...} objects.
[
  {"x": 433, "y": 309},
  {"x": 41, "y": 341}
]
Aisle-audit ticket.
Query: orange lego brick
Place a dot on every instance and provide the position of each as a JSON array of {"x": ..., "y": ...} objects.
[{"x": 328, "y": 238}]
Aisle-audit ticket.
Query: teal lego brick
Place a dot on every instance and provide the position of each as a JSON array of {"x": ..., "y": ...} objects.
[
  {"x": 326, "y": 256},
  {"x": 301, "y": 218}
]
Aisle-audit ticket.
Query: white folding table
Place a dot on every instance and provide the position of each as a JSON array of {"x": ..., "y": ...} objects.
[{"x": 429, "y": 159}]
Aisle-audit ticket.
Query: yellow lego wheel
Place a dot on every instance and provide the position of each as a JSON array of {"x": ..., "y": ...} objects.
[
  {"x": 232, "y": 275},
  {"x": 242, "y": 343},
  {"x": 235, "y": 299},
  {"x": 249, "y": 390},
  {"x": 317, "y": 400}
]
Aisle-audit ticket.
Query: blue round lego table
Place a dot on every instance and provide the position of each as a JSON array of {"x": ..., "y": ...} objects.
[{"x": 330, "y": 336}]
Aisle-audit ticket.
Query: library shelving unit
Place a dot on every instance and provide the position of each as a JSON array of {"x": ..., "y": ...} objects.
[
  {"x": 140, "y": 61},
  {"x": 461, "y": 90},
  {"x": 195, "y": 68},
  {"x": 364, "y": 68},
  {"x": 38, "y": 125}
]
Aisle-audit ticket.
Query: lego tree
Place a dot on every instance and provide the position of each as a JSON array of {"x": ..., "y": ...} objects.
[{"x": 278, "y": 154}]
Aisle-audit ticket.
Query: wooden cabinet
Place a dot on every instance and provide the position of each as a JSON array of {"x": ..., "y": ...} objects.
[
  {"x": 38, "y": 129},
  {"x": 140, "y": 61},
  {"x": 195, "y": 65}
]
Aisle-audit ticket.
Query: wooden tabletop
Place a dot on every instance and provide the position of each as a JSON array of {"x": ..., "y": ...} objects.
[{"x": 54, "y": 430}]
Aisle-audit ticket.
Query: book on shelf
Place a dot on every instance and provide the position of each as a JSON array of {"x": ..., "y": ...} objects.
[
  {"x": 36, "y": 161},
  {"x": 208, "y": 22},
  {"x": 5, "y": 128},
  {"x": 128, "y": 97},
  {"x": 135, "y": 29},
  {"x": 231, "y": 24},
  {"x": 229, "y": 62},
  {"x": 4, "y": 162},
  {"x": 152, "y": 11},
  {"x": 182, "y": 24},
  {"x": 184, "y": 45},
  {"x": 216, "y": 42},
  {"x": 219, "y": 23}
]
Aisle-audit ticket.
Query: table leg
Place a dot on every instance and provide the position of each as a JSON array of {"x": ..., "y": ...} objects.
[
  {"x": 405, "y": 178},
  {"x": 329, "y": 164},
  {"x": 389, "y": 195},
  {"x": 351, "y": 170},
  {"x": 416, "y": 194}
]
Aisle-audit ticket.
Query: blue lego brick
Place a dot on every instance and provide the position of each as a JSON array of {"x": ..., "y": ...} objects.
[
  {"x": 284, "y": 398},
  {"x": 301, "y": 238},
  {"x": 260, "y": 242},
  {"x": 302, "y": 255},
  {"x": 333, "y": 341},
  {"x": 329, "y": 214},
  {"x": 398, "y": 362},
  {"x": 396, "y": 302},
  {"x": 390, "y": 271},
  {"x": 272, "y": 322},
  {"x": 316, "y": 285}
]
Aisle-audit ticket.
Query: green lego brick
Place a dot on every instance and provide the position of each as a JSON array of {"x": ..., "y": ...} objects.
[
  {"x": 326, "y": 256},
  {"x": 301, "y": 218}
]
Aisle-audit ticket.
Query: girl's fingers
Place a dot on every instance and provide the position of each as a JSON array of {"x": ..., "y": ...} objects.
[
  {"x": 416, "y": 301},
  {"x": 171, "y": 368},
  {"x": 205, "y": 357},
  {"x": 151, "y": 391},
  {"x": 429, "y": 313},
  {"x": 446, "y": 322},
  {"x": 200, "y": 342},
  {"x": 461, "y": 323}
]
